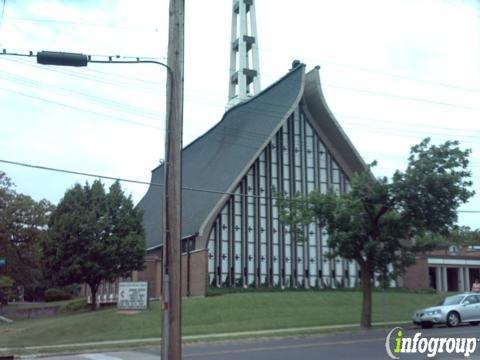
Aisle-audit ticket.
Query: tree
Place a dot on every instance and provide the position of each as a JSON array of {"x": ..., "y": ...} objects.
[
  {"x": 94, "y": 236},
  {"x": 380, "y": 224},
  {"x": 461, "y": 237},
  {"x": 23, "y": 223}
]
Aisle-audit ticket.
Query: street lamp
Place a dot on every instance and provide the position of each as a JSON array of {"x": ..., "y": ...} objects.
[
  {"x": 171, "y": 272},
  {"x": 62, "y": 58},
  {"x": 79, "y": 60},
  {"x": 171, "y": 269}
]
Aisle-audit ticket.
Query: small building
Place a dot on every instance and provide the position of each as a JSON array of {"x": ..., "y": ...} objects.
[{"x": 453, "y": 269}]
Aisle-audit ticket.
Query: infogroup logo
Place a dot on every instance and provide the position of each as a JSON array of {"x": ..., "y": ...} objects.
[{"x": 397, "y": 343}]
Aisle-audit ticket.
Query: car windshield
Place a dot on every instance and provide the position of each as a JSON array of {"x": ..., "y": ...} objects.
[{"x": 452, "y": 300}]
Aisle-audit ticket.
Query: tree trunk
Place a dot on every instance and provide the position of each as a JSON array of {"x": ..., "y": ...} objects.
[
  {"x": 366, "y": 318},
  {"x": 93, "y": 290}
]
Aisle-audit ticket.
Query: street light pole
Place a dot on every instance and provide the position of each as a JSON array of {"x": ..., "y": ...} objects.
[{"x": 171, "y": 269}]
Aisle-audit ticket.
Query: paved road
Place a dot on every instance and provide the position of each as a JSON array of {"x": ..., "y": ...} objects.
[{"x": 360, "y": 345}]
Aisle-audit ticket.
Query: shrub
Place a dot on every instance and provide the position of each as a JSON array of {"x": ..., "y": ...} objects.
[
  {"x": 76, "y": 305},
  {"x": 55, "y": 294},
  {"x": 6, "y": 289}
]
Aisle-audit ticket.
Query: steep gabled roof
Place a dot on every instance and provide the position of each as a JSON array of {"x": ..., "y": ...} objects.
[
  {"x": 328, "y": 128},
  {"x": 213, "y": 162}
]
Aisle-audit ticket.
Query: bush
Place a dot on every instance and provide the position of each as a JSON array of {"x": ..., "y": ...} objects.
[
  {"x": 75, "y": 305},
  {"x": 55, "y": 294},
  {"x": 6, "y": 289}
]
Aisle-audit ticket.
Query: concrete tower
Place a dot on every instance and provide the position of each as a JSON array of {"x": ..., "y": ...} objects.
[{"x": 244, "y": 80}]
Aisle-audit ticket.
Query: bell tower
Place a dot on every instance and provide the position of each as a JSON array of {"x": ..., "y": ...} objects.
[{"x": 244, "y": 79}]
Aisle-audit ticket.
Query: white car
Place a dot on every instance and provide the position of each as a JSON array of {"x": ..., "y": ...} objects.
[{"x": 453, "y": 310}]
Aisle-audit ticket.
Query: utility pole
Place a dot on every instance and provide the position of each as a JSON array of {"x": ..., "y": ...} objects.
[{"x": 172, "y": 297}]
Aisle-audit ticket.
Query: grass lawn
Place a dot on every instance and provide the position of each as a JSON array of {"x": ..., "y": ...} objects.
[{"x": 217, "y": 314}]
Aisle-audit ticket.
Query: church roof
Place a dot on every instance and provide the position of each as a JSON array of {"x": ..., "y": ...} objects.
[{"x": 213, "y": 164}]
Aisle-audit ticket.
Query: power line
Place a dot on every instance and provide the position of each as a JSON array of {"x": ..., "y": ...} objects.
[
  {"x": 371, "y": 92},
  {"x": 106, "y": 177},
  {"x": 273, "y": 113},
  {"x": 81, "y": 75},
  {"x": 111, "y": 104},
  {"x": 338, "y": 114},
  {"x": 384, "y": 72},
  {"x": 403, "y": 77},
  {"x": 410, "y": 98},
  {"x": 227, "y": 130},
  {"x": 77, "y": 23},
  {"x": 152, "y": 115},
  {"x": 3, "y": 9},
  {"x": 141, "y": 112},
  {"x": 83, "y": 110}
]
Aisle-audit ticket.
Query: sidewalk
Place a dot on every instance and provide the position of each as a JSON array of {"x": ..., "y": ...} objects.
[{"x": 193, "y": 338}]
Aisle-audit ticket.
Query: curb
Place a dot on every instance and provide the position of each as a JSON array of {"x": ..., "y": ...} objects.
[
  {"x": 199, "y": 337},
  {"x": 4, "y": 319}
]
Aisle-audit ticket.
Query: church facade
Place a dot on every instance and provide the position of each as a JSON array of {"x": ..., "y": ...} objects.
[{"x": 283, "y": 140}]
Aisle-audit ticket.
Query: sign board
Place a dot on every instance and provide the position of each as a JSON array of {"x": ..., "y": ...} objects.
[
  {"x": 133, "y": 295},
  {"x": 3, "y": 261}
]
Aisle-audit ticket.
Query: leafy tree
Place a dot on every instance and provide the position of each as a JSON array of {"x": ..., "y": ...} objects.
[
  {"x": 94, "y": 236},
  {"x": 380, "y": 223},
  {"x": 462, "y": 237},
  {"x": 22, "y": 225}
]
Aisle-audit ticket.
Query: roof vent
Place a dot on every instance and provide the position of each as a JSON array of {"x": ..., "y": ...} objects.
[
  {"x": 295, "y": 64},
  {"x": 453, "y": 250}
]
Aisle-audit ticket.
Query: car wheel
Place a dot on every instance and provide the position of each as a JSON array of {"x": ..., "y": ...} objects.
[
  {"x": 453, "y": 319},
  {"x": 474, "y": 323},
  {"x": 427, "y": 325}
]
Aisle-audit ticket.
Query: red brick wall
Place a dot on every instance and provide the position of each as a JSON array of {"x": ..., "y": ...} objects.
[
  {"x": 416, "y": 276},
  {"x": 198, "y": 273},
  {"x": 151, "y": 273}
]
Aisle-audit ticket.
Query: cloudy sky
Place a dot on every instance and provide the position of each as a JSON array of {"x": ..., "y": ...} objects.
[{"x": 393, "y": 72}]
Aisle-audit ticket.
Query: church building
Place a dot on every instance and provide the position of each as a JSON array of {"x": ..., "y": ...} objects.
[{"x": 283, "y": 139}]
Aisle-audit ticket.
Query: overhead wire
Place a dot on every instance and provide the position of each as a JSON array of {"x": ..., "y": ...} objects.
[
  {"x": 84, "y": 75},
  {"x": 371, "y": 92},
  {"x": 82, "y": 110},
  {"x": 227, "y": 131},
  {"x": 77, "y": 23},
  {"x": 96, "y": 100},
  {"x": 273, "y": 113},
  {"x": 153, "y": 83},
  {"x": 140, "y": 182},
  {"x": 376, "y": 71}
]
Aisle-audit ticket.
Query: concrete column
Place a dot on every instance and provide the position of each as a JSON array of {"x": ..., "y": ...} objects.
[
  {"x": 438, "y": 278},
  {"x": 461, "y": 280},
  {"x": 467, "y": 278},
  {"x": 444, "y": 279}
]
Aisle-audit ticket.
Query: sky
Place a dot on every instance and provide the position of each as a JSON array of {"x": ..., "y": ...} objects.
[{"x": 393, "y": 72}]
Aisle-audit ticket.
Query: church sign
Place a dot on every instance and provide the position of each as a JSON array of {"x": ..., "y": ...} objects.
[{"x": 133, "y": 295}]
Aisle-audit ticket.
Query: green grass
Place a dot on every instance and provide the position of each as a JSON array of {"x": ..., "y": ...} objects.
[{"x": 217, "y": 314}]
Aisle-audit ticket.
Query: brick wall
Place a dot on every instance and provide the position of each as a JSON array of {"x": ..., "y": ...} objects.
[
  {"x": 151, "y": 273},
  {"x": 196, "y": 282},
  {"x": 416, "y": 276}
]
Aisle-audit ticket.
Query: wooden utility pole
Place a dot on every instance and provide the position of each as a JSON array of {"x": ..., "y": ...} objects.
[{"x": 172, "y": 297}]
